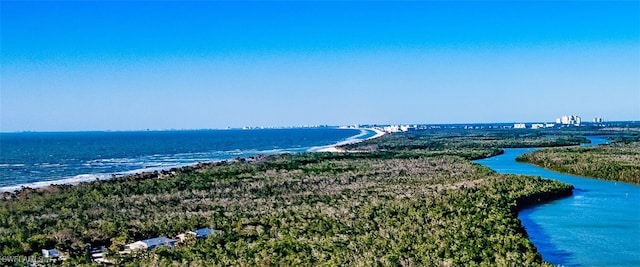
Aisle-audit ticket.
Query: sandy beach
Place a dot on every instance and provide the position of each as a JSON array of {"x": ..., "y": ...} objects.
[{"x": 336, "y": 147}]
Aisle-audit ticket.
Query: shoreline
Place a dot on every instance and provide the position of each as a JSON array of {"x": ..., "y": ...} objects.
[
  {"x": 102, "y": 177},
  {"x": 532, "y": 201},
  {"x": 538, "y": 228},
  {"x": 336, "y": 147},
  {"x": 380, "y": 180}
]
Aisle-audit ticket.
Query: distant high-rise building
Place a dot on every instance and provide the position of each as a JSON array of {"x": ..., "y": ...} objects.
[{"x": 569, "y": 120}]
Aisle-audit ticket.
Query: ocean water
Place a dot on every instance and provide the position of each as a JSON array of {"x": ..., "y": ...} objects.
[
  {"x": 39, "y": 159},
  {"x": 599, "y": 225}
]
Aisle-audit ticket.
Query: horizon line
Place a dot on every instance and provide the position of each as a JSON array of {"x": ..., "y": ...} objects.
[{"x": 350, "y": 126}]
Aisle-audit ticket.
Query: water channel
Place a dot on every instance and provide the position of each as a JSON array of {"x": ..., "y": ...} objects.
[{"x": 599, "y": 225}]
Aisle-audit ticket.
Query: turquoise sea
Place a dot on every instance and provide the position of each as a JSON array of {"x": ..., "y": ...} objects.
[
  {"x": 599, "y": 225},
  {"x": 39, "y": 159}
]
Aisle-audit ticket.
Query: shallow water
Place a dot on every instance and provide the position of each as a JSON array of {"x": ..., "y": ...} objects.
[{"x": 599, "y": 225}]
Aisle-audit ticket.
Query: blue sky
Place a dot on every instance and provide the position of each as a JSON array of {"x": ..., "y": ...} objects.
[{"x": 135, "y": 65}]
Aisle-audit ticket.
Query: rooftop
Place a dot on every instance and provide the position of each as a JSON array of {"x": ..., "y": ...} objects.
[
  {"x": 51, "y": 253},
  {"x": 158, "y": 241},
  {"x": 203, "y": 232}
]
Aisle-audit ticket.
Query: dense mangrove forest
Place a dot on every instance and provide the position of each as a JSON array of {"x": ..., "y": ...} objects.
[
  {"x": 410, "y": 199},
  {"x": 619, "y": 161}
]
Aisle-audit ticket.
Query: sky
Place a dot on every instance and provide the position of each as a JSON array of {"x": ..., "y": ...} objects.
[{"x": 119, "y": 65}]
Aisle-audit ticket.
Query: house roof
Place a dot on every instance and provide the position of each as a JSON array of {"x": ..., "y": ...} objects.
[
  {"x": 154, "y": 242},
  {"x": 52, "y": 252},
  {"x": 202, "y": 232}
]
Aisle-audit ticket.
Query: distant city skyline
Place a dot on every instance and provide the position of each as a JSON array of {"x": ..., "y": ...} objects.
[{"x": 203, "y": 64}]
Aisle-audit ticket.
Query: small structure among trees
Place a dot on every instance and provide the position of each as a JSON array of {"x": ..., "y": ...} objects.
[{"x": 151, "y": 243}]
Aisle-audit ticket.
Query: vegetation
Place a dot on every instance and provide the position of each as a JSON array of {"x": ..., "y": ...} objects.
[
  {"x": 413, "y": 200},
  {"x": 618, "y": 161},
  {"x": 470, "y": 144}
]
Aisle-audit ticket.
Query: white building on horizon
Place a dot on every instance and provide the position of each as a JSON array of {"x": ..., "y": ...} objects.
[
  {"x": 396, "y": 128},
  {"x": 537, "y": 126},
  {"x": 569, "y": 120}
]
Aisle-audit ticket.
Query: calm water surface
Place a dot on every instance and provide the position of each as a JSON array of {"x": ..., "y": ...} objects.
[{"x": 599, "y": 225}]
